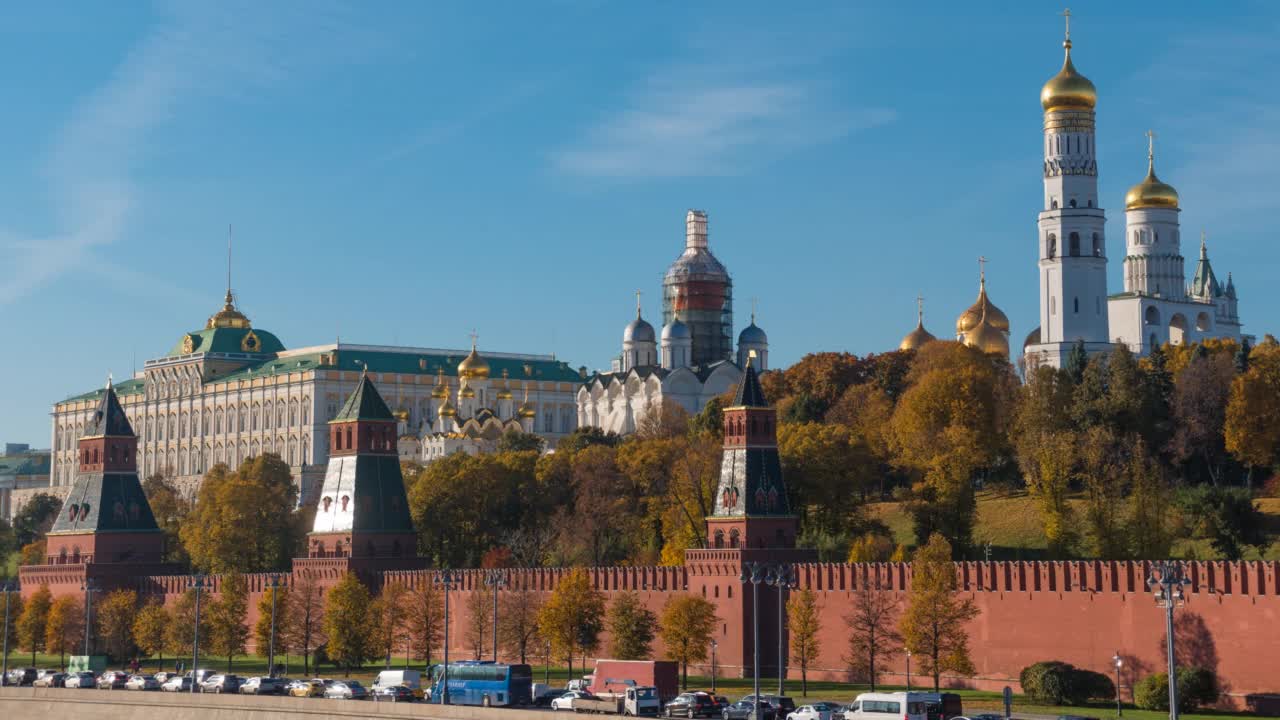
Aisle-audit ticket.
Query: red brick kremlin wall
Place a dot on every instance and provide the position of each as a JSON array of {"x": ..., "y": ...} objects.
[{"x": 1080, "y": 612}]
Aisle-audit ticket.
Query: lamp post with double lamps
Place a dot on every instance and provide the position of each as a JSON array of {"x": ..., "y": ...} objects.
[
  {"x": 1119, "y": 663},
  {"x": 197, "y": 584},
  {"x": 755, "y": 573},
  {"x": 273, "y": 582},
  {"x": 88, "y": 587},
  {"x": 714, "y": 646},
  {"x": 497, "y": 580},
  {"x": 9, "y": 586},
  {"x": 908, "y": 671},
  {"x": 783, "y": 577},
  {"x": 1166, "y": 583},
  {"x": 446, "y": 580}
]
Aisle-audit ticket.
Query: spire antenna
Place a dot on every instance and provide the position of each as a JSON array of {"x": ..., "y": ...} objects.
[
  {"x": 754, "y": 303},
  {"x": 1151, "y": 151},
  {"x": 475, "y": 336},
  {"x": 230, "y": 235},
  {"x": 982, "y": 271},
  {"x": 1066, "y": 16},
  {"x": 920, "y": 310},
  {"x": 638, "y": 293}
]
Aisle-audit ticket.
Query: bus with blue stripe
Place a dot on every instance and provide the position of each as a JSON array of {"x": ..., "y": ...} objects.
[{"x": 483, "y": 683}]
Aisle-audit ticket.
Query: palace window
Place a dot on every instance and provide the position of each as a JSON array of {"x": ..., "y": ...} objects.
[{"x": 1075, "y": 244}]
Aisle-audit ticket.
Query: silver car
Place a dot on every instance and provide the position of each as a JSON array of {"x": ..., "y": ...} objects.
[
  {"x": 81, "y": 680},
  {"x": 142, "y": 682}
]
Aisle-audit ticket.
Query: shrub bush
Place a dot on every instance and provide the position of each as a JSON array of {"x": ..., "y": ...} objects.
[
  {"x": 1197, "y": 687},
  {"x": 1053, "y": 682}
]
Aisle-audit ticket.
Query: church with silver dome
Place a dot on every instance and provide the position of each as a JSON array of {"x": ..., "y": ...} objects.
[{"x": 692, "y": 360}]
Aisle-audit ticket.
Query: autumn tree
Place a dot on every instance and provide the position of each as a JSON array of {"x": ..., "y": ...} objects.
[
  {"x": 170, "y": 509},
  {"x": 113, "y": 617},
  {"x": 64, "y": 630},
  {"x": 689, "y": 497},
  {"x": 518, "y": 621},
  {"x": 180, "y": 632},
  {"x": 871, "y": 547},
  {"x": 33, "y": 621},
  {"x": 228, "y": 631},
  {"x": 804, "y": 623},
  {"x": 425, "y": 618},
  {"x": 346, "y": 623},
  {"x": 243, "y": 521},
  {"x": 387, "y": 621},
  {"x": 304, "y": 618},
  {"x": 277, "y": 597},
  {"x": 632, "y": 627},
  {"x": 829, "y": 471},
  {"x": 933, "y": 625},
  {"x": 1252, "y": 425},
  {"x": 595, "y": 528},
  {"x": 1045, "y": 441},
  {"x": 873, "y": 633},
  {"x": 572, "y": 617},
  {"x": 687, "y": 625},
  {"x": 13, "y": 609},
  {"x": 477, "y": 620},
  {"x": 149, "y": 631},
  {"x": 32, "y": 521},
  {"x": 1201, "y": 393},
  {"x": 1149, "y": 504}
]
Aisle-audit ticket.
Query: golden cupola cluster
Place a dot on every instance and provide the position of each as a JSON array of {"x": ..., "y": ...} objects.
[
  {"x": 1151, "y": 192},
  {"x": 1068, "y": 90},
  {"x": 983, "y": 325}
]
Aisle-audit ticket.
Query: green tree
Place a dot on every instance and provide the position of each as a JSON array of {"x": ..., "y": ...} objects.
[
  {"x": 228, "y": 632},
  {"x": 1149, "y": 503},
  {"x": 35, "y": 517},
  {"x": 304, "y": 619},
  {"x": 64, "y": 629},
  {"x": 33, "y": 621},
  {"x": 346, "y": 623},
  {"x": 516, "y": 441},
  {"x": 687, "y": 625},
  {"x": 804, "y": 622},
  {"x": 873, "y": 633},
  {"x": 262, "y": 629},
  {"x": 113, "y": 616},
  {"x": 572, "y": 617},
  {"x": 1045, "y": 441},
  {"x": 14, "y": 610},
  {"x": 149, "y": 631},
  {"x": 933, "y": 625},
  {"x": 829, "y": 472},
  {"x": 710, "y": 420},
  {"x": 632, "y": 627},
  {"x": 243, "y": 521}
]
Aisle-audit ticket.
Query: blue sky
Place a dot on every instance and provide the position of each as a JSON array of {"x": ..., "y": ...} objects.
[{"x": 399, "y": 173}]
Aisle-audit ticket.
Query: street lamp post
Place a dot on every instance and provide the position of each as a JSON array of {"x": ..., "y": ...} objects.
[
  {"x": 546, "y": 670},
  {"x": 273, "y": 582},
  {"x": 714, "y": 646},
  {"x": 89, "y": 588},
  {"x": 7, "y": 587},
  {"x": 197, "y": 584},
  {"x": 445, "y": 579},
  {"x": 755, "y": 573},
  {"x": 782, "y": 577},
  {"x": 908, "y": 671},
  {"x": 1119, "y": 663},
  {"x": 1166, "y": 582},
  {"x": 497, "y": 580}
]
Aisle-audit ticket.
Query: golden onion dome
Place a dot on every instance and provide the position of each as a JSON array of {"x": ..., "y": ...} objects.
[
  {"x": 504, "y": 394},
  {"x": 466, "y": 392},
  {"x": 971, "y": 318},
  {"x": 1151, "y": 193},
  {"x": 473, "y": 366},
  {"x": 447, "y": 410},
  {"x": 916, "y": 338},
  {"x": 1068, "y": 90},
  {"x": 440, "y": 391},
  {"x": 526, "y": 408},
  {"x": 987, "y": 338},
  {"x": 228, "y": 316}
]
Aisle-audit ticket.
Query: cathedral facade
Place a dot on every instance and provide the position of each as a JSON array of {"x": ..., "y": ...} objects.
[{"x": 692, "y": 361}]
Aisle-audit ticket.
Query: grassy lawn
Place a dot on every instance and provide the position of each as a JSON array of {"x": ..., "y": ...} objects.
[{"x": 732, "y": 687}]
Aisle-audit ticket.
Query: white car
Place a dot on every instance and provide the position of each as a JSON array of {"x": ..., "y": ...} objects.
[
  {"x": 816, "y": 711},
  {"x": 141, "y": 682},
  {"x": 81, "y": 680},
  {"x": 565, "y": 701},
  {"x": 177, "y": 683}
]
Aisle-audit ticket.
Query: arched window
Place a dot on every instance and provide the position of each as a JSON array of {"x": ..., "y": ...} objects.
[
  {"x": 1075, "y": 303},
  {"x": 1097, "y": 245},
  {"x": 1072, "y": 203},
  {"x": 1075, "y": 244},
  {"x": 1053, "y": 246},
  {"x": 1053, "y": 204}
]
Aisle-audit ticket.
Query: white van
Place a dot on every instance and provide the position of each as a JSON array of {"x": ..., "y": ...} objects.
[
  {"x": 889, "y": 706},
  {"x": 411, "y": 679}
]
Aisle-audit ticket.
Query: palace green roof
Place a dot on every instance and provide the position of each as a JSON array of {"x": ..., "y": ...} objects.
[
  {"x": 226, "y": 340},
  {"x": 27, "y": 463}
]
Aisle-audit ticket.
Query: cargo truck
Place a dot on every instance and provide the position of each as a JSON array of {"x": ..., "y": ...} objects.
[
  {"x": 637, "y": 701},
  {"x": 614, "y": 677}
]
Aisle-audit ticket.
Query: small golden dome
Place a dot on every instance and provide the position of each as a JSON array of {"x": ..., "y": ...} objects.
[
  {"x": 526, "y": 408},
  {"x": 969, "y": 319},
  {"x": 466, "y": 392},
  {"x": 505, "y": 394},
  {"x": 916, "y": 338},
  {"x": 473, "y": 366},
  {"x": 1151, "y": 193},
  {"x": 447, "y": 410},
  {"x": 228, "y": 316},
  {"x": 1068, "y": 90}
]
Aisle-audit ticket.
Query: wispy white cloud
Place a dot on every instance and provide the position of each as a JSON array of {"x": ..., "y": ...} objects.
[
  {"x": 194, "y": 51},
  {"x": 714, "y": 118}
]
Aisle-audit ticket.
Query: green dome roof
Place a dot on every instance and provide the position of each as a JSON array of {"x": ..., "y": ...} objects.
[{"x": 228, "y": 340}]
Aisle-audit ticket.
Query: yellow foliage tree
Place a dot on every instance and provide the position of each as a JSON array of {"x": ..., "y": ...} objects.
[
  {"x": 425, "y": 620},
  {"x": 572, "y": 617},
  {"x": 149, "y": 630},
  {"x": 346, "y": 623},
  {"x": 113, "y": 617},
  {"x": 388, "y": 621},
  {"x": 64, "y": 632},
  {"x": 32, "y": 621},
  {"x": 1253, "y": 411},
  {"x": 687, "y": 625},
  {"x": 870, "y": 547},
  {"x": 933, "y": 625},
  {"x": 262, "y": 629},
  {"x": 804, "y": 623},
  {"x": 243, "y": 521},
  {"x": 228, "y": 632}
]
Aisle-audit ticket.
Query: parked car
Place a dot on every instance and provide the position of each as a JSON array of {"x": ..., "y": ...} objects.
[
  {"x": 544, "y": 697},
  {"x": 176, "y": 683},
  {"x": 262, "y": 685},
  {"x": 142, "y": 682},
  {"x": 693, "y": 704},
  {"x": 394, "y": 693},
  {"x": 112, "y": 680},
  {"x": 565, "y": 701},
  {"x": 21, "y": 676},
  {"x": 816, "y": 711},
  {"x": 220, "y": 684},
  {"x": 55, "y": 679},
  {"x": 308, "y": 688},
  {"x": 411, "y": 679},
  {"x": 81, "y": 680},
  {"x": 345, "y": 690},
  {"x": 773, "y": 707},
  {"x": 740, "y": 710},
  {"x": 986, "y": 716}
]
